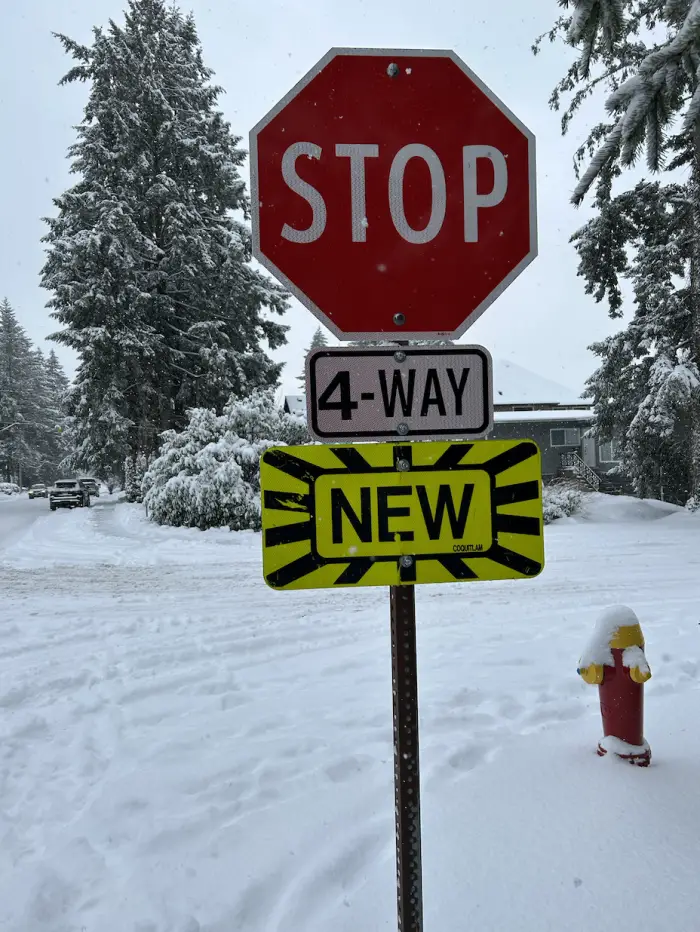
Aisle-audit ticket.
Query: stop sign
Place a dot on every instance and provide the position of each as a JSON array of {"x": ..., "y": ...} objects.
[{"x": 393, "y": 194}]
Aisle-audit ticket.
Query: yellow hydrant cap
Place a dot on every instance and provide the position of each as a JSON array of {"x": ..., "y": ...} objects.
[{"x": 617, "y": 628}]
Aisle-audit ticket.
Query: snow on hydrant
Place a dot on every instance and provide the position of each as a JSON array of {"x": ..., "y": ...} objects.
[{"x": 615, "y": 662}]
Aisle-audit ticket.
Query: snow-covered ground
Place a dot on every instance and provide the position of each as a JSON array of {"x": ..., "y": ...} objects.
[{"x": 184, "y": 750}]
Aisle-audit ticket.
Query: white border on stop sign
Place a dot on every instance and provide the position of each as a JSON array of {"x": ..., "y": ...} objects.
[{"x": 398, "y": 333}]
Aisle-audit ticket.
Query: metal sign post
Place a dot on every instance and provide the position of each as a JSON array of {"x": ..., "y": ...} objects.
[
  {"x": 409, "y": 868},
  {"x": 404, "y": 689}
]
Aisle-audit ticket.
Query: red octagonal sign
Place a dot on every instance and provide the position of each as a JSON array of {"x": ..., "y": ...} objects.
[{"x": 393, "y": 194}]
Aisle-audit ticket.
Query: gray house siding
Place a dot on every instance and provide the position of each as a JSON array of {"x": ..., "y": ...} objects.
[
  {"x": 537, "y": 423},
  {"x": 539, "y": 431}
]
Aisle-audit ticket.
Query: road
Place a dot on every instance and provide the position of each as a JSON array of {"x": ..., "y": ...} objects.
[{"x": 16, "y": 517}]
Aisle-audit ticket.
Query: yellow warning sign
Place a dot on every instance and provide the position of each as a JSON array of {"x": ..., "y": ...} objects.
[{"x": 385, "y": 514}]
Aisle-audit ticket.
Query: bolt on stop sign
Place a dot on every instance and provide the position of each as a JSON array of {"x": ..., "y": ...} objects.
[{"x": 393, "y": 194}]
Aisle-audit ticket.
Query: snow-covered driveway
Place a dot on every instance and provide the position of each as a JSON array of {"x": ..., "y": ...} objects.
[{"x": 184, "y": 750}]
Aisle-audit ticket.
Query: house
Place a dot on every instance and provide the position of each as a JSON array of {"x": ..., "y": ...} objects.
[
  {"x": 527, "y": 406},
  {"x": 295, "y": 404}
]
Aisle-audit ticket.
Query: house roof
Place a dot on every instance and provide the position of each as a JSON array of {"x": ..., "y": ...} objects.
[
  {"x": 515, "y": 385},
  {"x": 557, "y": 414},
  {"x": 295, "y": 404}
]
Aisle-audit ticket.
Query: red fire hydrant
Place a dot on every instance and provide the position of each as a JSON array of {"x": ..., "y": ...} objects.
[{"x": 615, "y": 662}]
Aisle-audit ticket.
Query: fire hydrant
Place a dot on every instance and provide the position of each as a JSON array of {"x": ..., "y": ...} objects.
[{"x": 615, "y": 662}]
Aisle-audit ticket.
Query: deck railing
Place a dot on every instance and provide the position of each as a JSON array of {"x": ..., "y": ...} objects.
[{"x": 580, "y": 469}]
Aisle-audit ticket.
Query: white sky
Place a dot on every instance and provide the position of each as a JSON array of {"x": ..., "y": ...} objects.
[{"x": 259, "y": 49}]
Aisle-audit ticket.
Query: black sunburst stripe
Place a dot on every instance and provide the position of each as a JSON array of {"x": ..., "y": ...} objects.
[
  {"x": 287, "y": 501},
  {"x": 516, "y": 524},
  {"x": 288, "y": 533},
  {"x": 295, "y": 570},
  {"x": 514, "y": 561},
  {"x": 352, "y": 458},
  {"x": 453, "y": 456},
  {"x": 457, "y": 567},
  {"x": 517, "y": 492},
  {"x": 293, "y": 466},
  {"x": 509, "y": 458},
  {"x": 354, "y": 571},
  {"x": 407, "y": 574}
]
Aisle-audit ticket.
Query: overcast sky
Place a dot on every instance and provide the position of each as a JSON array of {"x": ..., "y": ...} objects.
[{"x": 259, "y": 49}]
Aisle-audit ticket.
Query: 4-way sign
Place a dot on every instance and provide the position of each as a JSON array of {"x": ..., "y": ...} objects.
[
  {"x": 418, "y": 393},
  {"x": 393, "y": 193}
]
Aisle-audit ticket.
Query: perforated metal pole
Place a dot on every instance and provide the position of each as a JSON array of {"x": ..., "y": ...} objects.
[{"x": 406, "y": 759}]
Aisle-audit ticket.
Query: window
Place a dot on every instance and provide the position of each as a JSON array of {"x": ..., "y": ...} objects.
[
  {"x": 609, "y": 452},
  {"x": 565, "y": 437}
]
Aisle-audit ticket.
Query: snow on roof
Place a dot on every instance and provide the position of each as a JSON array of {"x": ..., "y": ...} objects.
[
  {"x": 296, "y": 404},
  {"x": 514, "y": 385},
  {"x": 558, "y": 414}
]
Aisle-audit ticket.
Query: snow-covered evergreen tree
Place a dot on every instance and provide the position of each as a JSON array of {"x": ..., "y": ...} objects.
[
  {"x": 32, "y": 445},
  {"x": 16, "y": 371},
  {"x": 318, "y": 340},
  {"x": 646, "y": 53},
  {"x": 129, "y": 471},
  {"x": 148, "y": 265},
  {"x": 58, "y": 435},
  {"x": 208, "y": 475}
]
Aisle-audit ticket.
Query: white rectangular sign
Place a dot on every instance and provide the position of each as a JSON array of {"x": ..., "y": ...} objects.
[{"x": 412, "y": 392}]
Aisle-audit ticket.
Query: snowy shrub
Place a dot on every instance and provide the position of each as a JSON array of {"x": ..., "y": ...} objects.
[
  {"x": 208, "y": 475},
  {"x": 560, "y": 501},
  {"x": 693, "y": 503}
]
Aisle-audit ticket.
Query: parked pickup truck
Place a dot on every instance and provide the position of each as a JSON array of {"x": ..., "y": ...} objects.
[{"x": 68, "y": 493}]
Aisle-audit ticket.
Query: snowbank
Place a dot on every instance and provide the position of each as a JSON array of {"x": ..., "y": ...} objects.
[
  {"x": 562, "y": 500},
  {"x": 602, "y": 509}
]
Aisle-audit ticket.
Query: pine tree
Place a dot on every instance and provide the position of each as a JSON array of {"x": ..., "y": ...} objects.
[
  {"x": 31, "y": 406},
  {"x": 17, "y": 373},
  {"x": 318, "y": 340},
  {"x": 130, "y": 479},
  {"x": 647, "y": 54},
  {"x": 149, "y": 270},
  {"x": 36, "y": 410},
  {"x": 57, "y": 437}
]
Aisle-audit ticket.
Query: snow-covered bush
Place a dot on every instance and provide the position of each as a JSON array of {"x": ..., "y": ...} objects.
[
  {"x": 208, "y": 475},
  {"x": 560, "y": 500}
]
